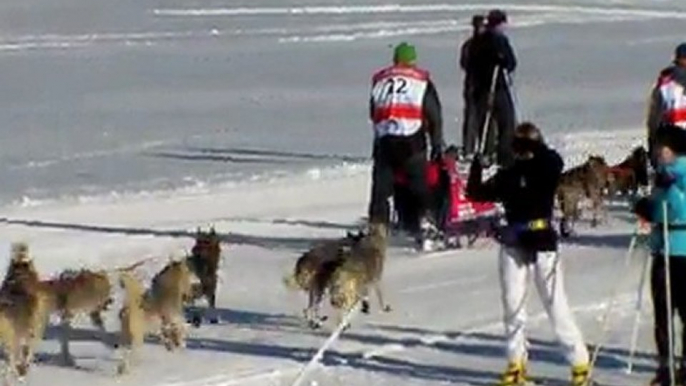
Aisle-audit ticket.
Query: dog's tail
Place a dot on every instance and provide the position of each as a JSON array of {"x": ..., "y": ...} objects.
[
  {"x": 133, "y": 266},
  {"x": 290, "y": 282}
]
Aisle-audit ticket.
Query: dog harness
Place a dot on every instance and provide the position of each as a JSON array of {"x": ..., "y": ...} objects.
[{"x": 398, "y": 97}]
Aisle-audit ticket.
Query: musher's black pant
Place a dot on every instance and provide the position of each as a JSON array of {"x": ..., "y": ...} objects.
[
  {"x": 389, "y": 156},
  {"x": 677, "y": 267}
]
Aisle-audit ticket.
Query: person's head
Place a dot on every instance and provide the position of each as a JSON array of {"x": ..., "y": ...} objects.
[
  {"x": 680, "y": 55},
  {"x": 478, "y": 24},
  {"x": 527, "y": 137},
  {"x": 496, "y": 19},
  {"x": 671, "y": 143},
  {"x": 405, "y": 54}
]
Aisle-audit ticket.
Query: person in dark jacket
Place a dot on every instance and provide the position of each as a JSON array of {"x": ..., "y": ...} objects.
[
  {"x": 491, "y": 54},
  {"x": 670, "y": 188},
  {"x": 470, "y": 126},
  {"x": 405, "y": 110},
  {"x": 529, "y": 245},
  {"x": 667, "y": 105}
]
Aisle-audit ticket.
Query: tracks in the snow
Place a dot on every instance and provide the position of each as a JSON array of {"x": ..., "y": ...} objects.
[{"x": 276, "y": 376}]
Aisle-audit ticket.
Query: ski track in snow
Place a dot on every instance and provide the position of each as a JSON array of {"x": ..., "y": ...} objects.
[
  {"x": 423, "y": 8},
  {"x": 537, "y": 15}
]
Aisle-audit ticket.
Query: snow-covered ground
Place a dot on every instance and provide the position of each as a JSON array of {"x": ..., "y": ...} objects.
[{"x": 127, "y": 124}]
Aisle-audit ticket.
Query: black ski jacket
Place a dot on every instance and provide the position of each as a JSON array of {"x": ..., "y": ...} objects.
[
  {"x": 486, "y": 51},
  {"x": 527, "y": 191}
]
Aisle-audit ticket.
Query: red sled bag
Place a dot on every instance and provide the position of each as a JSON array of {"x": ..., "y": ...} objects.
[
  {"x": 447, "y": 187},
  {"x": 461, "y": 209}
]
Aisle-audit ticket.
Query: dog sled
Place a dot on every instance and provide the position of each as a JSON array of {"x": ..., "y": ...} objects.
[{"x": 459, "y": 221}]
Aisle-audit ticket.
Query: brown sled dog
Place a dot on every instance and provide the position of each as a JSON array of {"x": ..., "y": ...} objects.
[
  {"x": 204, "y": 262},
  {"x": 313, "y": 270},
  {"x": 82, "y": 291},
  {"x": 75, "y": 292},
  {"x": 159, "y": 309},
  {"x": 23, "y": 310},
  {"x": 359, "y": 269},
  {"x": 628, "y": 176},
  {"x": 584, "y": 181}
]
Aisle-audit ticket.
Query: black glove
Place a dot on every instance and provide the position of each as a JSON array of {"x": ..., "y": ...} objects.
[
  {"x": 436, "y": 152},
  {"x": 475, "y": 176},
  {"x": 663, "y": 179},
  {"x": 477, "y": 165},
  {"x": 643, "y": 208}
]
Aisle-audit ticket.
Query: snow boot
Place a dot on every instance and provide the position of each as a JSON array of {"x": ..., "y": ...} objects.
[
  {"x": 565, "y": 229},
  {"x": 681, "y": 375},
  {"x": 514, "y": 375},
  {"x": 580, "y": 375},
  {"x": 661, "y": 377},
  {"x": 428, "y": 238}
]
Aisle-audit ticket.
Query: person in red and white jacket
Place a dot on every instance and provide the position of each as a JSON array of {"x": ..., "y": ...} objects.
[
  {"x": 667, "y": 105},
  {"x": 405, "y": 110}
]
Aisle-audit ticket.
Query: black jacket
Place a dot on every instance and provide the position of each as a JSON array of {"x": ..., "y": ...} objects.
[
  {"x": 527, "y": 191},
  {"x": 464, "y": 63},
  {"x": 464, "y": 53},
  {"x": 433, "y": 126},
  {"x": 487, "y": 50}
]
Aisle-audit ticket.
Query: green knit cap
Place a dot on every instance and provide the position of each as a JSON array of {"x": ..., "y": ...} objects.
[{"x": 404, "y": 53}]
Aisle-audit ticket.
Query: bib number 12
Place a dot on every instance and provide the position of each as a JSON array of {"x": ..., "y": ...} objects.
[{"x": 395, "y": 86}]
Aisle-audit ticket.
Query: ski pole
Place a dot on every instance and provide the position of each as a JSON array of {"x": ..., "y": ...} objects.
[
  {"x": 668, "y": 291},
  {"x": 489, "y": 111},
  {"x": 611, "y": 305},
  {"x": 637, "y": 317}
]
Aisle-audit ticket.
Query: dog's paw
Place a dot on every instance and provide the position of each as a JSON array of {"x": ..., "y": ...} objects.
[
  {"x": 196, "y": 321},
  {"x": 22, "y": 370},
  {"x": 314, "y": 324},
  {"x": 68, "y": 361},
  {"x": 365, "y": 307},
  {"x": 387, "y": 308}
]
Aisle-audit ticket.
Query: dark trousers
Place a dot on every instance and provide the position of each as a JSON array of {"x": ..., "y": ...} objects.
[
  {"x": 678, "y": 286},
  {"x": 386, "y": 162},
  {"x": 470, "y": 125},
  {"x": 501, "y": 127},
  {"x": 405, "y": 204}
]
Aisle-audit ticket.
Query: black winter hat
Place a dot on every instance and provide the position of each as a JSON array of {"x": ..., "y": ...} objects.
[
  {"x": 496, "y": 17},
  {"x": 673, "y": 137},
  {"x": 680, "y": 51},
  {"x": 478, "y": 21}
]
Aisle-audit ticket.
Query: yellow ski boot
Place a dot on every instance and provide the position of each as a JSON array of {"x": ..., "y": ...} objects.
[
  {"x": 580, "y": 375},
  {"x": 514, "y": 375}
]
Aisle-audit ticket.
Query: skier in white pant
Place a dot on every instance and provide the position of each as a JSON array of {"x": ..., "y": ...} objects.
[{"x": 529, "y": 245}]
